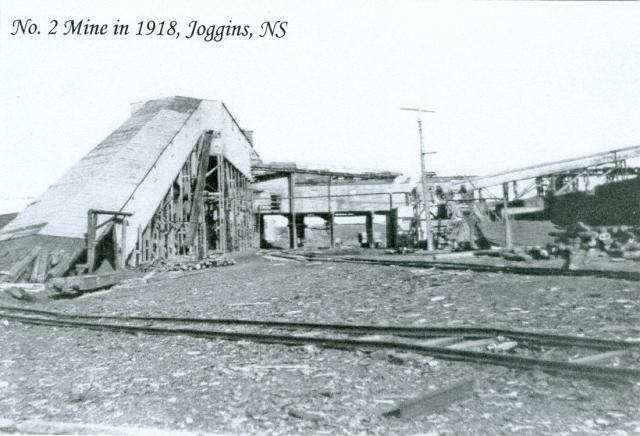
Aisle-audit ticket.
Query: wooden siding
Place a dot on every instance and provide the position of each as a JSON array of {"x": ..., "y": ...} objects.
[{"x": 132, "y": 169}]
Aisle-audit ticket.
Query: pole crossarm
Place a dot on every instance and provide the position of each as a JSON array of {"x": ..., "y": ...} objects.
[{"x": 417, "y": 110}]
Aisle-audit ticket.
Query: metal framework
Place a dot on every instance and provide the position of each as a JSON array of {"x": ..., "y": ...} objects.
[{"x": 528, "y": 190}]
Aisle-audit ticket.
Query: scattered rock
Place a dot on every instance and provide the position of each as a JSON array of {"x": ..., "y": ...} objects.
[{"x": 187, "y": 263}]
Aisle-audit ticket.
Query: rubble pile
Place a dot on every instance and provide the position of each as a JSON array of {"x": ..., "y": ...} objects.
[
  {"x": 577, "y": 244},
  {"x": 617, "y": 242},
  {"x": 187, "y": 263}
]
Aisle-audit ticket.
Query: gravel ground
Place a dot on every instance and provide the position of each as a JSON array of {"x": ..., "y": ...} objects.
[{"x": 215, "y": 386}]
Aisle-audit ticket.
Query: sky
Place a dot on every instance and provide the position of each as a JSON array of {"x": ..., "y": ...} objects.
[{"x": 512, "y": 83}]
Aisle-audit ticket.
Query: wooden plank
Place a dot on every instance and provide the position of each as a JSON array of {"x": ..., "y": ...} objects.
[
  {"x": 439, "y": 342},
  {"x": 469, "y": 345},
  {"x": 600, "y": 357},
  {"x": 91, "y": 282},
  {"x": 92, "y": 220},
  {"x": 34, "y": 426},
  {"x": 64, "y": 263},
  {"x": 197, "y": 199},
  {"x": 39, "y": 273},
  {"x": 18, "y": 268},
  {"x": 433, "y": 402}
]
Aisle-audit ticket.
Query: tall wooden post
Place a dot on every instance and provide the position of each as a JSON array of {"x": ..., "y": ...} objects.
[
  {"x": 293, "y": 230},
  {"x": 196, "y": 216},
  {"x": 369, "y": 229},
  {"x": 425, "y": 191},
  {"x": 117, "y": 247},
  {"x": 331, "y": 235},
  {"x": 505, "y": 215},
  {"x": 222, "y": 211},
  {"x": 91, "y": 239},
  {"x": 139, "y": 251},
  {"x": 261, "y": 228},
  {"x": 123, "y": 243}
]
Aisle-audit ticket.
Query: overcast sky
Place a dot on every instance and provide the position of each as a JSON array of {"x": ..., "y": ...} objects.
[{"x": 513, "y": 83}]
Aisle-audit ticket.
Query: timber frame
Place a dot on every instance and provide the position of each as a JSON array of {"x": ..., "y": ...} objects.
[{"x": 207, "y": 208}]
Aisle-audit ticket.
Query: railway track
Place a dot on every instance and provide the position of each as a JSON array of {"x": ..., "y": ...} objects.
[
  {"x": 582, "y": 357},
  {"x": 511, "y": 269}
]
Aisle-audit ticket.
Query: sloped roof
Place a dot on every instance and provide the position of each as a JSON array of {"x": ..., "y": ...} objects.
[{"x": 107, "y": 175}]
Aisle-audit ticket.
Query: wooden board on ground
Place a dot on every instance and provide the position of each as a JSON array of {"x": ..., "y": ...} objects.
[
  {"x": 39, "y": 272},
  {"x": 600, "y": 357},
  {"x": 90, "y": 282},
  {"x": 433, "y": 402}
]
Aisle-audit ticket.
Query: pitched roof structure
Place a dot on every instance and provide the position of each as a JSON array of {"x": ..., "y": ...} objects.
[{"x": 130, "y": 171}]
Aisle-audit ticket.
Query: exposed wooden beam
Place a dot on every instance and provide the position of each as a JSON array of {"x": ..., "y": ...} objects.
[{"x": 197, "y": 200}]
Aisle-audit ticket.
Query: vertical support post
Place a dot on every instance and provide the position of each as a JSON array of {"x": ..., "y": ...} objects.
[
  {"x": 392, "y": 223},
  {"x": 425, "y": 189},
  {"x": 293, "y": 233},
  {"x": 172, "y": 217},
  {"x": 392, "y": 228},
  {"x": 91, "y": 239},
  {"x": 139, "y": 257},
  {"x": 117, "y": 253},
  {"x": 203, "y": 234},
  {"x": 331, "y": 234},
  {"x": 425, "y": 192},
  {"x": 261, "y": 227},
  {"x": 123, "y": 243},
  {"x": 222, "y": 203},
  {"x": 196, "y": 215},
  {"x": 416, "y": 217},
  {"x": 505, "y": 215},
  {"x": 369, "y": 228}
]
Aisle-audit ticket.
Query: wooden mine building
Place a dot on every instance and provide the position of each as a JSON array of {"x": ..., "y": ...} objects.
[{"x": 173, "y": 179}]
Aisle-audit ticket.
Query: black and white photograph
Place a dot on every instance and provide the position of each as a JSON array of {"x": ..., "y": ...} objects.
[{"x": 317, "y": 217}]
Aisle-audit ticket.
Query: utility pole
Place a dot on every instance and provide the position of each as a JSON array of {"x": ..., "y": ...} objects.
[{"x": 423, "y": 175}]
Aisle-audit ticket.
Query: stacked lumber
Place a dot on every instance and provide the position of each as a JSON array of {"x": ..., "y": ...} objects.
[{"x": 20, "y": 267}]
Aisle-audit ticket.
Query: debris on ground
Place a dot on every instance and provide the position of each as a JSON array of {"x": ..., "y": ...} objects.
[
  {"x": 195, "y": 384},
  {"x": 188, "y": 263}
]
